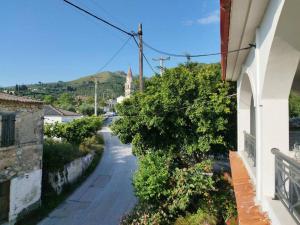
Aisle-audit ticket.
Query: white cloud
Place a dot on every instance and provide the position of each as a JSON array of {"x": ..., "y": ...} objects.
[{"x": 213, "y": 17}]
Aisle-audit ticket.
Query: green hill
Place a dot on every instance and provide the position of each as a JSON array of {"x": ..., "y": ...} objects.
[{"x": 110, "y": 85}]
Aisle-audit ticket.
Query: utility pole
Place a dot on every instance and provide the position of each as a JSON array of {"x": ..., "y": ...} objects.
[
  {"x": 161, "y": 63},
  {"x": 96, "y": 97},
  {"x": 188, "y": 58},
  {"x": 140, "y": 34}
]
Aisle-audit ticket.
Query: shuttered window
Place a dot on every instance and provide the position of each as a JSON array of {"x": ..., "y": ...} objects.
[{"x": 7, "y": 129}]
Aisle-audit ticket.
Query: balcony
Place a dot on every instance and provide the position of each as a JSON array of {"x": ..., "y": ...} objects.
[
  {"x": 250, "y": 147},
  {"x": 287, "y": 183}
]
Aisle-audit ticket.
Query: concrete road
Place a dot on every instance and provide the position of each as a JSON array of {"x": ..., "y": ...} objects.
[{"x": 106, "y": 195}]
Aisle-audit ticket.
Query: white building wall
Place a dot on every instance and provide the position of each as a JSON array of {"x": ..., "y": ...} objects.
[
  {"x": 52, "y": 119},
  {"x": 25, "y": 191},
  {"x": 272, "y": 67},
  {"x": 60, "y": 119}
]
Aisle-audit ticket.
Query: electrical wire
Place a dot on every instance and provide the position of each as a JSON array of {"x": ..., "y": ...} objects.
[
  {"x": 198, "y": 55},
  {"x": 149, "y": 64},
  {"x": 114, "y": 55},
  {"x": 132, "y": 34},
  {"x": 98, "y": 18},
  {"x": 97, "y": 4}
]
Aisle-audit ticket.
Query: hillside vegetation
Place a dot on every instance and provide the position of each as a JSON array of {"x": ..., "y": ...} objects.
[{"x": 111, "y": 85}]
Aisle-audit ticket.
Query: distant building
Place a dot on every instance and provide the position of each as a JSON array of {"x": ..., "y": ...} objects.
[
  {"x": 53, "y": 114},
  {"x": 21, "y": 149},
  {"x": 120, "y": 99},
  {"x": 129, "y": 84},
  {"x": 129, "y": 87},
  {"x": 110, "y": 105}
]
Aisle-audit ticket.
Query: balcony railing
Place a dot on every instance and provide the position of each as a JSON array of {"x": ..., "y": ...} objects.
[
  {"x": 287, "y": 183},
  {"x": 250, "y": 147}
]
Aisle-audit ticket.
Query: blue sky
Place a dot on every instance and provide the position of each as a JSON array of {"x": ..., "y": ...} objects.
[{"x": 50, "y": 41}]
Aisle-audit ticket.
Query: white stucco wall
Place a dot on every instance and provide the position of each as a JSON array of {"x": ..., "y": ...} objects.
[
  {"x": 24, "y": 192},
  {"x": 271, "y": 69},
  {"x": 71, "y": 172}
]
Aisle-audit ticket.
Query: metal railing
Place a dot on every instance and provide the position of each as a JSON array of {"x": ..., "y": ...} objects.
[
  {"x": 250, "y": 147},
  {"x": 287, "y": 183}
]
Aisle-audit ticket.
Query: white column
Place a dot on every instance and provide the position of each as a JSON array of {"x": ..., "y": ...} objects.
[
  {"x": 258, "y": 109},
  {"x": 275, "y": 133}
]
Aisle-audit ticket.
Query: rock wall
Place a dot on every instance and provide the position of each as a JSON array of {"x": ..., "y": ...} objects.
[
  {"x": 26, "y": 154},
  {"x": 70, "y": 173}
]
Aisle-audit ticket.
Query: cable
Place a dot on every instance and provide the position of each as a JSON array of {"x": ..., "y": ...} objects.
[
  {"x": 145, "y": 56},
  {"x": 98, "y": 18},
  {"x": 132, "y": 34},
  {"x": 114, "y": 55},
  {"x": 109, "y": 14},
  {"x": 199, "y": 55}
]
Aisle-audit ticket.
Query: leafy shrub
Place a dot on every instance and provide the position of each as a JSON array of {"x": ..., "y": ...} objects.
[
  {"x": 200, "y": 218},
  {"x": 57, "y": 154},
  {"x": 95, "y": 143},
  {"x": 88, "y": 109},
  {"x": 166, "y": 191},
  {"x": 75, "y": 131},
  {"x": 151, "y": 179}
]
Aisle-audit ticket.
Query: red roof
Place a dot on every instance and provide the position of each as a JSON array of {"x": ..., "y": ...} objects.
[{"x": 225, "y": 6}]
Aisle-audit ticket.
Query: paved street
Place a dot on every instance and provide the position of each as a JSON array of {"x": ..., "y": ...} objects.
[{"x": 106, "y": 195}]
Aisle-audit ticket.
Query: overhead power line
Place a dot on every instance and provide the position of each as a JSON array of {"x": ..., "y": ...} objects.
[
  {"x": 132, "y": 34},
  {"x": 147, "y": 61},
  {"x": 198, "y": 55},
  {"x": 98, "y": 18},
  {"x": 114, "y": 55}
]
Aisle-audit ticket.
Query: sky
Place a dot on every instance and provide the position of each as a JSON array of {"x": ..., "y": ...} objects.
[{"x": 48, "y": 40}]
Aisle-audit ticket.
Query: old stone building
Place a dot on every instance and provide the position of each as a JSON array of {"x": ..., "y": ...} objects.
[{"x": 21, "y": 147}]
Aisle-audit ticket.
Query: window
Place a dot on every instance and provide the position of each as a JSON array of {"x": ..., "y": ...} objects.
[{"x": 7, "y": 129}]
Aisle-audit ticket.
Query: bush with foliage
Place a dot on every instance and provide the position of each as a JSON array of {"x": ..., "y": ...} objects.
[
  {"x": 75, "y": 131},
  {"x": 152, "y": 177},
  {"x": 201, "y": 217},
  {"x": 181, "y": 118},
  {"x": 57, "y": 154},
  {"x": 185, "y": 111}
]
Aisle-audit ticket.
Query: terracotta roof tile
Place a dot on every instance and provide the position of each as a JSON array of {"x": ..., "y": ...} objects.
[{"x": 8, "y": 97}]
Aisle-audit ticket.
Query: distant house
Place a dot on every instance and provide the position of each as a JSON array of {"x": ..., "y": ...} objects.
[
  {"x": 53, "y": 114},
  {"x": 21, "y": 147}
]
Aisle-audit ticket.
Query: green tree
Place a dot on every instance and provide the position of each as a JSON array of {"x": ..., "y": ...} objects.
[
  {"x": 186, "y": 111},
  {"x": 180, "y": 119},
  {"x": 49, "y": 99},
  {"x": 66, "y": 101},
  {"x": 294, "y": 105}
]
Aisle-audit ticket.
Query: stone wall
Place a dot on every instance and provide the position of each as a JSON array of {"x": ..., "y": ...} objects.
[
  {"x": 26, "y": 154},
  {"x": 70, "y": 173}
]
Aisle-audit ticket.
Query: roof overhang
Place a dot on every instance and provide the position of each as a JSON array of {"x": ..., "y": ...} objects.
[{"x": 239, "y": 21}]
